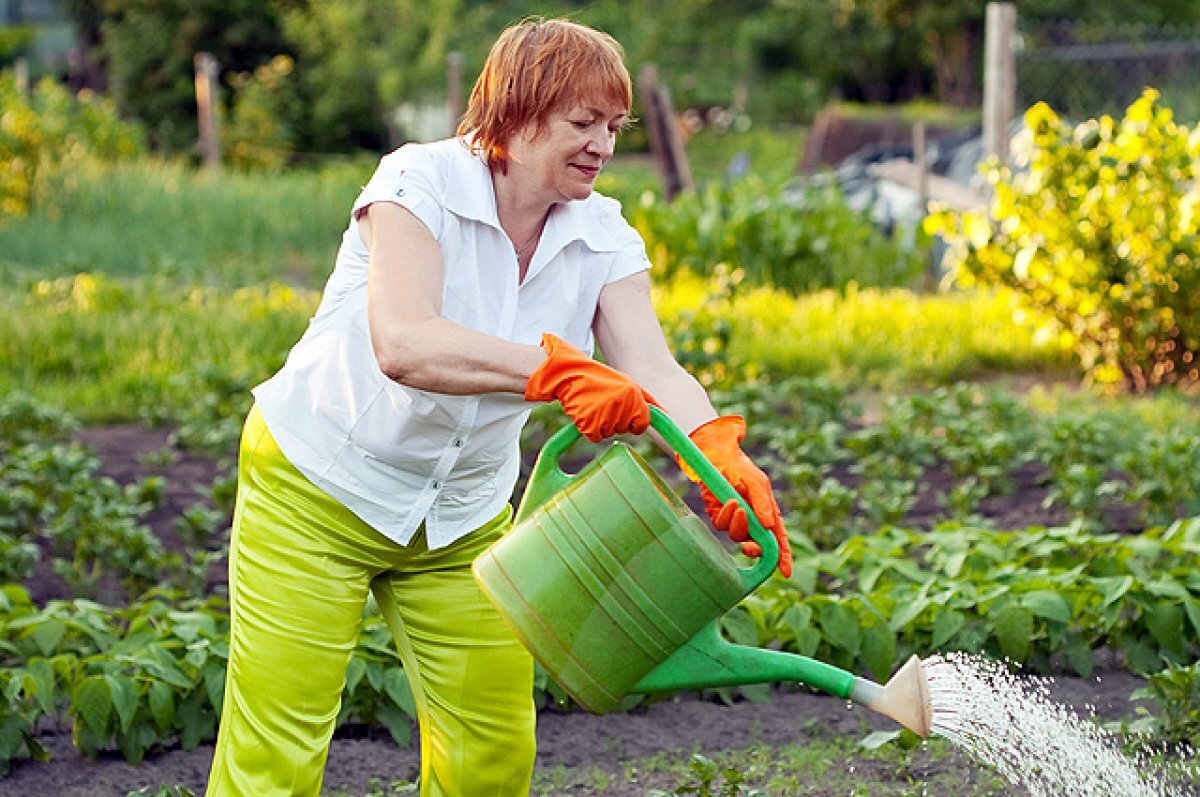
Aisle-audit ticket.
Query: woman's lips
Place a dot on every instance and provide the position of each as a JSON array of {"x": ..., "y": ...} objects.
[{"x": 590, "y": 171}]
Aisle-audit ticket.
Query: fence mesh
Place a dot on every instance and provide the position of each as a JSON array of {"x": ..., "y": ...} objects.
[{"x": 1083, "y": 71}]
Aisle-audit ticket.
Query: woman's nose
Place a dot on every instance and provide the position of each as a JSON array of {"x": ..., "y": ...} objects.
[{"x": 601, "y": 145}]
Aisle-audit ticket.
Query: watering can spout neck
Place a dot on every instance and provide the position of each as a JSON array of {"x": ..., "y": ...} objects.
[{"x": 709, "y": 661}]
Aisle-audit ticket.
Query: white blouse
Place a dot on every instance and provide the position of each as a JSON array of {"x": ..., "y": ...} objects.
[{"x": 396, "y": 456}]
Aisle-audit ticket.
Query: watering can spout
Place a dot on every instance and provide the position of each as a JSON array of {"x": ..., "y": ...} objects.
[
  {"x": 905, "y": 698},
  {"x": 709, "y": 661}
]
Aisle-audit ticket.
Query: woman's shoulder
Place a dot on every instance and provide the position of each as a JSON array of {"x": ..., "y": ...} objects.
[
  {"x": 603, "y": 213},
  {"x": 436, "y": 160}
]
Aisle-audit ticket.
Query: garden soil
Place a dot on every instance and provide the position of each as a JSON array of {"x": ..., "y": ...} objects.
[{"x": 568, "y": 741}]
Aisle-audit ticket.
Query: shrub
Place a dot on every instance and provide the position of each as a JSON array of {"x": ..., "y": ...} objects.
[
  {"x": 1099, "y": 236},
  {"x": 260, "y": 136},
  {"x": 46, "y": 135},
  {"x": 799, "y": 243}
]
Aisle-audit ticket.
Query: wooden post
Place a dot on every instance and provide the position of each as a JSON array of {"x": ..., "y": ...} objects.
[
  {"x": 999, "y": 78},
  {"x": 454, "y": 92},
  {"x": 21, "y": 75},
  {"x": 665, "y": 142},
  {"x": 207, "y": 70}
]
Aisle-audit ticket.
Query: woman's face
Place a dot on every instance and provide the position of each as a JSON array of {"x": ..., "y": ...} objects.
[{"x": 562, "y": 159}]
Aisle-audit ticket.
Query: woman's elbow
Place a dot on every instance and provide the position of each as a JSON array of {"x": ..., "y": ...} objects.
[{"x": 398, "y": 357}]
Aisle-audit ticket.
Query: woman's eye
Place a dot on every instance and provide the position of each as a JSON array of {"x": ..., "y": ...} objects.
[{"x": 581, "y": 124}]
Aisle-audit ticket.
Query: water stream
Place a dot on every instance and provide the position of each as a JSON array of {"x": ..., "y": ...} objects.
[{"x": 1012, "y": 724}]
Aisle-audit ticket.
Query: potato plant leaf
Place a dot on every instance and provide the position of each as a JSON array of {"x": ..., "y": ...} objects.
[{"x": 1013, "y": 627}]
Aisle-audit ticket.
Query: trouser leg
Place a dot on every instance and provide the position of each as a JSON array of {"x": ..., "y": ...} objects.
[
  {"x": 297, "y": 590},
  {"x": 472, "y": 679}
]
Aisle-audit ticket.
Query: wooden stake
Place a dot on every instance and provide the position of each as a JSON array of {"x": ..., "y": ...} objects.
[
  {"x": 207, "y": 71},
  {"x": 665, "y": 143},
  {"x": 999, "y": 78}
]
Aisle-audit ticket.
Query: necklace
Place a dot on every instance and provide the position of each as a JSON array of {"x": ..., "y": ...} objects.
[{"x": 520, "y": 250}]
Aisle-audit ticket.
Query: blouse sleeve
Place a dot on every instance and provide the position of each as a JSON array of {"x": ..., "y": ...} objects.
[
  {"x": 409, "y": 177},
  {"x": 630, "y": 256}
]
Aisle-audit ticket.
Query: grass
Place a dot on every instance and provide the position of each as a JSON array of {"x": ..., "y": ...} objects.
[
  {"x": 160, "y": 218},
  {"x": 153, "y": 217},
  {"x": 109, "y": 350},
  {"x": 106, "y": 350}
]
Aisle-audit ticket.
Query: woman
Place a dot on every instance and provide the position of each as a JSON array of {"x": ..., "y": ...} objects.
[{"x": 473, "y": 276}]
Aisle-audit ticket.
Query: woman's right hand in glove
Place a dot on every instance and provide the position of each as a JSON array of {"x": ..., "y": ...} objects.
[{"x": 600, "y": 400}]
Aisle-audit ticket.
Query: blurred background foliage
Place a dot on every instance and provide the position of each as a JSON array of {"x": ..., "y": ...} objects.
[{"x": 327, "y": 76}]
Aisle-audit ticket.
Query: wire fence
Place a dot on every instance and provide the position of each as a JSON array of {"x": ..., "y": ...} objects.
[{"x": 1083, "y": 71}]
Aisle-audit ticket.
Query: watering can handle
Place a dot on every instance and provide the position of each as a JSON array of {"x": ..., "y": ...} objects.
[{"x": 551, "y": 479}]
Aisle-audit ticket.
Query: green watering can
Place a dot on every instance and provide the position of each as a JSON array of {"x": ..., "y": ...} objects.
[{"x": 616, "y": 587}]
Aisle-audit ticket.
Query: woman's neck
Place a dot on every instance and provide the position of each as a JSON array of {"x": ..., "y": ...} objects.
[{"x": 521, "y": 215}]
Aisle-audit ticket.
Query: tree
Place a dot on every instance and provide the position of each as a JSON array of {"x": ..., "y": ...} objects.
[{"x": 149, "y": 46}]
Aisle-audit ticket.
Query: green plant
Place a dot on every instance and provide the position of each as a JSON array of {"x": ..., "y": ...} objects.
[
  {"x": 1174, "y": 695},
  {"x": 163, "y": 790},
  {"x": 260, "y": 134},
  {"x": 54, "y": 503},
  {"x": 775, "y": 239},
  {"x": 47, "y": 135},
  {"x": 711, "y": 780},
  {"x": 1098, "y": 236}
]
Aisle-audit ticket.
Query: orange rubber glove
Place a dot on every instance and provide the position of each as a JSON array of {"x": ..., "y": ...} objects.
[
  {"x": 600, "y": 400},
  {"x": 720, "y": 440}
]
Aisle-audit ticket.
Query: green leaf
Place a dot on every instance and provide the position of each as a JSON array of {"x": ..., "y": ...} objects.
[
  {"x": 397, "y": 687},
  {"x": 195, "y": 719},
  {"x": 879, "y": 650},
  {"x": 1013, "y": 627},
  {"x": 1047, "y": 605},
  {"x": 12, "y": 737},
  {"x": 133, "y": 746},
  {"x": 877, "y": 739},
  {"x": 840, "y": 625},
  {"x": 1165, "y": 623},
  {"x": 159, "y": 663},
  {"x": 91, "y": 701},
  {"x": 354, "y": 673},
  {"x": 756, "y": 693},
  {"x": 161, "y": 699},
  {"x": 804, "y": 575},
  {"x": 740, "y": 627},
  {"x": 946, "y": 624},
  {"x": 398, "y": 723},
  {"x": 1192, "y": 607},
  {"x": 48, "y": 634},
  {"x": 1141, "y": 657},
  {"x": 808, "y": 641},
  {"x": 124, "y": 698},
  {"x": 43, "y": 685},
  {"x": 1080, "y": 657},
  {"x": 1113, "y": 588},
  {"x": 1167, "y": 588},
  {"x": 214, "y": 684},
  {"x": 797, "y": 617},
  {"x": 907, "y": 613}
]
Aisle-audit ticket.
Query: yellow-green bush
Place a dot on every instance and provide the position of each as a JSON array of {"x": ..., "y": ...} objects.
[
  {"x": 727, "y": 332},
  {"x": 47, "y": 133},
  {"x": 1100, "y": 234}
]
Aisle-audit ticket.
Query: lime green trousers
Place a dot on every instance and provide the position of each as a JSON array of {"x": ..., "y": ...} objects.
[{"x": 300, "y": 568}]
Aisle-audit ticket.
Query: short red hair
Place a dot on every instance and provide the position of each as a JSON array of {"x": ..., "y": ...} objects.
[{"x": 535, "y": 68}]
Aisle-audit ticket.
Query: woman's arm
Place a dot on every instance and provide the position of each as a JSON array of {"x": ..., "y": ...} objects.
[
  {"x": 414, "y": 345},
  {"x": 631, "y": 338},
  {"x": 628, "y": 332}
]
